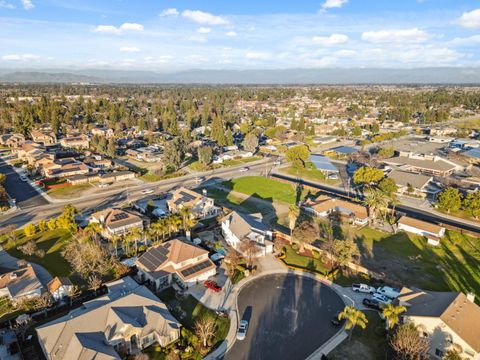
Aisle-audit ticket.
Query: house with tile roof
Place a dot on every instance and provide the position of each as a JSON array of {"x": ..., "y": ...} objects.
[
  {"x": 239, "y": 227},
  {"x": 117, "y": 221},
  {"x": 175, "y": 261},
  {"x": 324, "y": 206},
  {"x": 450, "y": 320},
  {"x": 128, "y": 319}
]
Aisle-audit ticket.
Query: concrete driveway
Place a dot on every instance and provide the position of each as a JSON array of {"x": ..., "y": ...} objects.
[
  {"x": 289, "y": 318},
  {"x": 210, "y": 298}
]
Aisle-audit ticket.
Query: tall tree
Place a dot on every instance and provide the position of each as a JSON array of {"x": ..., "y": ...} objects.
[
  {"x": 353, "y": 318},
  {"x": 471, "y": 204},
  {"x": 450, "y": 199},
  {"x": 298, "y": 155},
  {"x": 205, "y": 329},
  {"x": 293, "y": 214},
  {"x": 392, "y": 314},
  {"x": 250, "y": 142},
  {"x": 408, "y": 344}
]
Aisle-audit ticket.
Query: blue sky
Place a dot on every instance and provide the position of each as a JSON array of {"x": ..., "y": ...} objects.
[{"x": 262, "y": 34}]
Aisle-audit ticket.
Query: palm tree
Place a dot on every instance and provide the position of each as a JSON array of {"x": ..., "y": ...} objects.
[
  {"x": 375, "y": 200},
  {"x": 293, "y": 214},
  {"x": 392, "y": 314},
  {"x": 354, "y": 318},
  {"x": 115, "y": 239}
]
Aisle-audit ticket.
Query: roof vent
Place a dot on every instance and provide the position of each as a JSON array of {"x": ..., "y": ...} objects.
[{"x": 471, "y": 297}]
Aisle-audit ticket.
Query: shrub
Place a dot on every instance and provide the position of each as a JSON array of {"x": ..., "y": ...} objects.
[
  {"x": 295, "y": 246},
  {"x": 315, "y": 254},
  {"x": 30, "y": 230}
]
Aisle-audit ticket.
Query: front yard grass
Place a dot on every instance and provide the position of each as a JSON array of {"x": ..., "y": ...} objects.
[
  {"x": 52, "y": 242},
  {"x": 68, "y": 191},
  {"x": 237, "y": 162},
  {"x": 303, "y": 262},
  {"x": 454, "y": 265},
  {"x": 263, "y": 188},
  {"x": 227, "y": 200},
  {"x": 368, "y": 344}
]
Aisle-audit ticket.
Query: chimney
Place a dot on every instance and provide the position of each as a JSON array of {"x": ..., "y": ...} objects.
[{"x": 471, "y": 297}]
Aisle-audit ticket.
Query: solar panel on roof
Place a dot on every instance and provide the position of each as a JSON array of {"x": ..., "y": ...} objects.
[
  {"x": 120, "y": 216},
  {"x": 194, "y": 269}
]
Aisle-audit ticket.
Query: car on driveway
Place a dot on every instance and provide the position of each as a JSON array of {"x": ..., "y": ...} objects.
[
  {"x": 242, "y": 329},
  {"x": 364, "y": 288},
  {"x": 381, "y": 298},
  {"x": 392, "y": 293},
  {"x": 244, "y": 169},
  {"x": 371, "y": 303},
  {"x": 216, "y": 257},
  {"x": 212, "y": 285}
]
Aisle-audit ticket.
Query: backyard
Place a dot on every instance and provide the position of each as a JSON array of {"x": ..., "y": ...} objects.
[
  {"x": 263, "y": 188},
  {"x": 52, "y": 242}
]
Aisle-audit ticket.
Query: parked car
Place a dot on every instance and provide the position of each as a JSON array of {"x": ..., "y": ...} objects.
[
  {"x": 104, "y": 185},
  {"x": 277, "y": 162},
  {"x": 212, "y": 285},
  {"x": 364, "y": 288},
  {"x": 199, "y": 179},
  {"x": 392, "y": 293},
  {"x": 335, "y": 321},
  {"x": 23, "y": 178},
  {"x": 217, "y": 257},
  {"x": 242, "y": 329},
  {"x": 244, "y": 169},
  {"x": 371, "y": 303},
  {"x": 381, "y": 298},
  {"x": 147, "y": 191}
]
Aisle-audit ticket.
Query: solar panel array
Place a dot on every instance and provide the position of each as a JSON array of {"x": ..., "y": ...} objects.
[
  {"x": 154, "y": 257},
  {"x": 184, "y": 197},
  {"x": 119, "y": 216},
  {"x": 194, "y": 269}
]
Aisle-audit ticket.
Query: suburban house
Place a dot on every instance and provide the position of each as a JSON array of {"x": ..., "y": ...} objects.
[
  {"x": 20, "y": 283},
  {"x": 200, "y": 206},
  {"x": 128, "y": 319},
  {"x": 238, "y": 227},
  {"x": 424, "y": 164},
  {"x": 450, "y": 320},
  {"x": 103, "y": 131},
  {"x": 411, "y": 183},
  {"x": 14, "y": 141},
  {"x": 231, "y": 155},
  {"x": 432, "y": 232},
  {"x": 44, "y": 137},
  {"x": 62, "y": 168},
  {"x": 324, "y": 206},
  {"x": 116, "y": 176},
  {"x": 175, "y": 261},
  {"x": 75, "y": 142},
  {"x": 117, "y": 221},
  {"x": 323, "y": 164},
  {"x": 59, "y": 287},
  {"x": 147, "y": 154}
]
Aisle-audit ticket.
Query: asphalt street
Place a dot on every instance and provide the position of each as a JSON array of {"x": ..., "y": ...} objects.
[
  {"x": 289, "y": 318},
  {"x": 24, "y": 194}
]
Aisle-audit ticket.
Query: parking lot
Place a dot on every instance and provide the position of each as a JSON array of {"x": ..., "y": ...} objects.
[
  {"x": 289, "y": 318},
  {"x": 24, "y": 194}
]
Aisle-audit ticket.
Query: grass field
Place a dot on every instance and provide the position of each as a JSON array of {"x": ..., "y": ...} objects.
[
  {"x": 238, "y": 162},
  {"x": 453, "y": 265},
  {"x": 227, "y": 200},
  {"x": 69, "y": 191},
  {"x": 304, "y": 262},
  {"x": 263, "y": 188},
  {"x": 53, "y": 242},
  {"x": 368, "y": 344},
  {"x": 309, "y": 173}
]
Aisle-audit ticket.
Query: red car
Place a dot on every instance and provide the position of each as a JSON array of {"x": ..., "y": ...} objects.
[{"x": 212, "y": 285}]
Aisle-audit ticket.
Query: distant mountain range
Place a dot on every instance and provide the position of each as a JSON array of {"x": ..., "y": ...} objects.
[{"x": 445, "y": 75}]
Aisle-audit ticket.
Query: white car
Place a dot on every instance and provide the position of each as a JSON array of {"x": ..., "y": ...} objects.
[
  {"x": 277, "y": 162},
  {"x": 242, "y": 329},
  {"x": 364, "y": 288},
  {"x": 388, "y": 292},
  {"x": 381, "y": 298},
  {"x": 147, "y": 191},
  {"x": 244, "y": 169}
]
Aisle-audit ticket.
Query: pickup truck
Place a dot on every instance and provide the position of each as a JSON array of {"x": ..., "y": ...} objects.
[
  {"x": 392, "y": 293},
  {"x": 364, "y": 288}
]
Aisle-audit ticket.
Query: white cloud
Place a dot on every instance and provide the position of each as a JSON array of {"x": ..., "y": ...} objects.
[
  {"x": 20, "y": 57},
  {"x": 169, "y": 12},
  {"x": 159, "y": 59},
  {"x": 131, "y": 27},
  {"x": 129, "y": 49},
  {"x": 110, "y": 29},
  {"x": 257, "y": 55},
  {"x": 27, "y": 4},
  {"x": 413, "y": 35},
  {"x": 6, "y": 5},
  {"x": 333, "y": 39},
  {"x": 203, "y": 30},
  {"x": 231, "y": 34},
  {"x": 196, "y": 58},
  {"x": 470, "y": 19},
  {"x": 472, "y": 40},
  {"x": 329, "y": 4},
  {"x": 197, "y": 38},
  {"x": 345, "y": 53},
  {"x": 204, "y": 18}
]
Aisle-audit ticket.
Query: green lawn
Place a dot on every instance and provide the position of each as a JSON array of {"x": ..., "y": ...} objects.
[
  {"x": 225, "y": 199},
  {"x": 304, "y": 262},
  {"x": 368, "y": 344},
  {"x": 69, "y": 191},
  {"x": 309, "y": 173},
  {"x": 53, "y": 242},
  {"x": 453, "y": 265},
  {"x": 237, "y": 162},
  {"x": 263, "y": 188}
]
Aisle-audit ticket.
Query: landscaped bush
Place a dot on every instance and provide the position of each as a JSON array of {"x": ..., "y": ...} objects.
[{"x": 316, "y": 254}]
